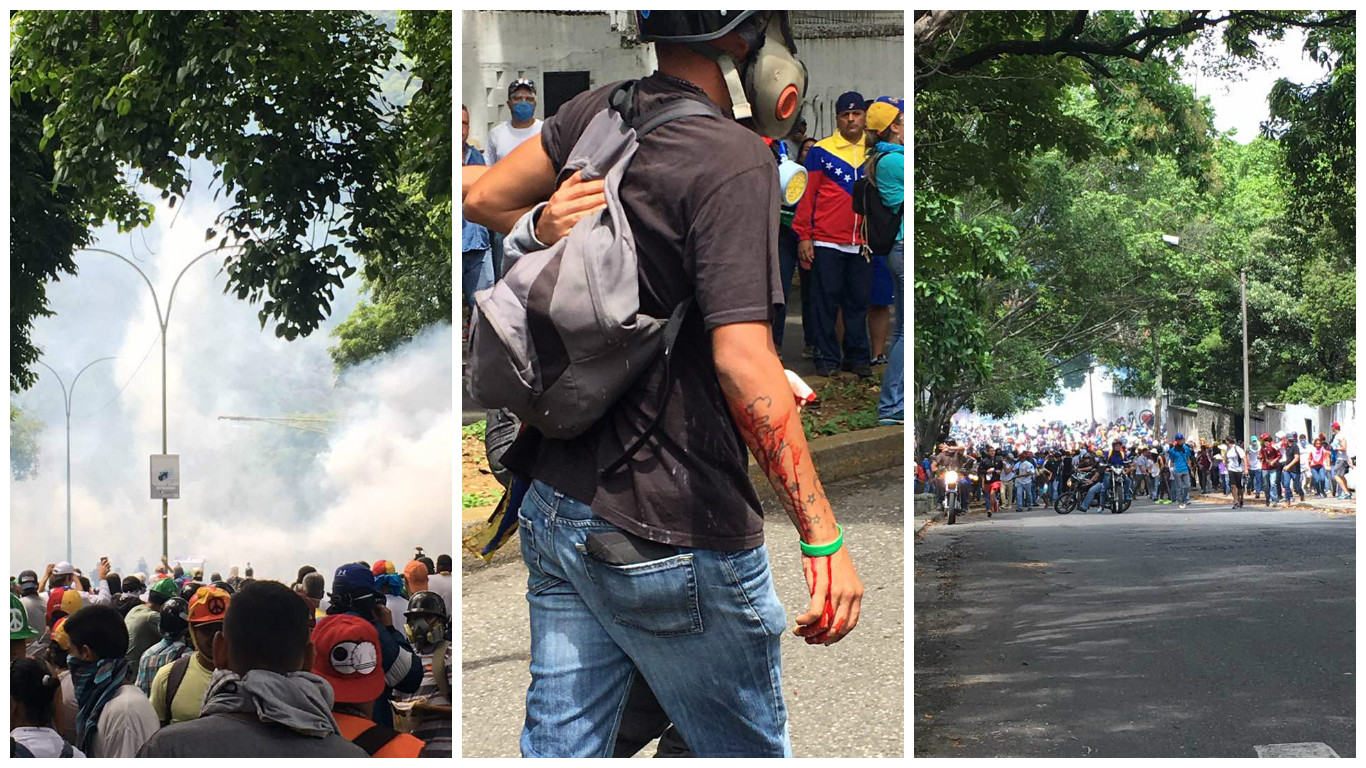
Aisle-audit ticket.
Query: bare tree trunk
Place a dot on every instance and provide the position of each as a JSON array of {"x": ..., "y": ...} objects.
[
  {"x": 933, "y": 24},
  {"x": 1157, "y": 382}
]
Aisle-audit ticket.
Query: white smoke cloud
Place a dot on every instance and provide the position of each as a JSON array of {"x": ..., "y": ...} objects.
[{"x": 377, "y": 484}]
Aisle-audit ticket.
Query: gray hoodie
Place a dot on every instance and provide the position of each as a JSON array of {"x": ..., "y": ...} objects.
[{"x": 260, "y": 714}]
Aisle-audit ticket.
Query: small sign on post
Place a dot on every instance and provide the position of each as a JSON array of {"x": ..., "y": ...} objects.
[{"x": 166, "y": 476}]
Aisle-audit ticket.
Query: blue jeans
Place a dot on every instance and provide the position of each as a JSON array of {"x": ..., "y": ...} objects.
[
  {"x": 476, "y": 272},
  {"x": 893, "y": 399},
  {"x": 1272, "y": 481},
  {"x": 841, "y": 282},
  {"x": 1257, "y": 482},
  {"x": 1321, "y": 481},
  {"x": 1023, "y": 490},
  {"x": 1289, "y": 477},
  {"x": 787, "y": 264},
  {"x": 686, "y": 623},
  {"x": 1181, "y": 487}
]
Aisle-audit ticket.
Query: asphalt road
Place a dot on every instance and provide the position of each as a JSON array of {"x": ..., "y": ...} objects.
[
  {"x": 1160, "y": 632},
  {"x": 846, "y": 700}
]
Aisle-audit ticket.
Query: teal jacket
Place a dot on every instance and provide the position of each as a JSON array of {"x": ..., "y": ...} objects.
[{"x": 891, "y": 179}]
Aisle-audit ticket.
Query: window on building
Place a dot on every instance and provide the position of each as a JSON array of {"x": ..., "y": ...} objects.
[{"x": 560, "y": 87}]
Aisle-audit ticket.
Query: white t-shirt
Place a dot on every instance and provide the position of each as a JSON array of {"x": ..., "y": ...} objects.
[
  {"x": 42, "y": 742},
  {"x": 1024, "y": 470},
  {"x": 504, "y": 138},
  {"x": 441, "y": 584},
  {"x": 1233, "y": 456},
  {"x": 126, "y": 723}
]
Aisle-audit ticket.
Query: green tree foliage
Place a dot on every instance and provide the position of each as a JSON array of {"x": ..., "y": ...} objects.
[
  {"x": 1053, "y": 151},
  {"x": 24, "y": 430},
  {"x": 408, "y": 274},
  {"x": 284, "y": 105}
]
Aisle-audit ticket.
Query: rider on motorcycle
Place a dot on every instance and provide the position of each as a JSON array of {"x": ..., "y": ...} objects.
[
  {"x": 950, "y": 457},
  {"x": 1115, "y": 458}
]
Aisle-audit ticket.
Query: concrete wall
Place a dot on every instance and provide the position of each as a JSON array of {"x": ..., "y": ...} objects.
[
  {"x": 501, "y": 46},
  {"x": 873, "y": 66}
]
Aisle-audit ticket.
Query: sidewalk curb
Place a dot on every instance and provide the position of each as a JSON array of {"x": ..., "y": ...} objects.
[
  {"x": 922, "y": 522},
  {"x": 836, "y": 457}
]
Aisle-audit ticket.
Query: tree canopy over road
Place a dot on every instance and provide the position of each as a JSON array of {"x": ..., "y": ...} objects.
[{"x": 1054, "y": 149}]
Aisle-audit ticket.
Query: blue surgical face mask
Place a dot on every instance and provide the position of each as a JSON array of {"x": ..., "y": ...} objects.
[{"x": 522, "y": 111}]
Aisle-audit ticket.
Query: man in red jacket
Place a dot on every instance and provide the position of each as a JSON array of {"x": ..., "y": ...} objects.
[{"x": 829, "y": 236}]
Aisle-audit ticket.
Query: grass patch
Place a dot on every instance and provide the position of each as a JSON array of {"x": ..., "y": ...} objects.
[
  {"x": 475, "y": 430},
  {"x": 470, "y": 500},
  {"x": 847, "y": 404}
]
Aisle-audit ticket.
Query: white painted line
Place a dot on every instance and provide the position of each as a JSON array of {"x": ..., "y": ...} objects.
[{"x": 1303, "y": 749}]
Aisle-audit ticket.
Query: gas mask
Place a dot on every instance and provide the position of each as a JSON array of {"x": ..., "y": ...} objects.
[
  {"x": 425, "y": 632},
  {"x": 768, "y": 86}
]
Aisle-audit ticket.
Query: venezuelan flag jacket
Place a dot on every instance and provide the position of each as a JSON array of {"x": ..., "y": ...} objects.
[{"x": 826, "y": 211}]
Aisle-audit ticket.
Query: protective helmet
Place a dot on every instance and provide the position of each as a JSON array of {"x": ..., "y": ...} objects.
[
  {"x": 209, "y": 605},
  {"x": 426, "y": 602},
  {"x": 18, "y": 620},
  {"x": 174, "y": 618},
  {"x": 188, "y": 589},
  {"x": 225, "y": 586},
  {"x": 688, "y": 26},
  {"x": 165, "y": 586},
  {"x": 767, "y": 87},
  {"x": 1280, "y": 435}
]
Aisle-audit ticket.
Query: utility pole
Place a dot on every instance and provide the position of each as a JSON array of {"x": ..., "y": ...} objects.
[
  {"x": 67, "y": 394},
  {"x": 163, "y": 320}
]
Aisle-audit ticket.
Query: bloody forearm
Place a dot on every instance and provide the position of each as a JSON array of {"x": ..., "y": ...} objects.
[{"x": 761, "y": 402}]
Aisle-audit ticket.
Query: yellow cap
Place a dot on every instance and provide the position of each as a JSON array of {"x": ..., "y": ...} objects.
[{"x": 880, "y": 115}]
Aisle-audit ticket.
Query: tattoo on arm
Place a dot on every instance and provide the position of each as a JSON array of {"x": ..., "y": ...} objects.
[{"x": 765, "y": 431}]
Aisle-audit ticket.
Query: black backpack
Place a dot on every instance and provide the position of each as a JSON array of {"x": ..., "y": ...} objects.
[{"x": 880, "y": 223}]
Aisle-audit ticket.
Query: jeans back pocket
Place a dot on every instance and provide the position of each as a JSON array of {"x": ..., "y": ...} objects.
[{"x": 659, "y": 597}]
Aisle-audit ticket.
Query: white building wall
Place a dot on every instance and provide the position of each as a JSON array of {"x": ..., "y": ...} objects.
[
  {"x": 501, "y": 46},
  {"x": 873, "y": 66}
]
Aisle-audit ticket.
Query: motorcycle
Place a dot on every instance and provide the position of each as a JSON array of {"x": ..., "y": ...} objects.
[{"x": 951, "y": 495}]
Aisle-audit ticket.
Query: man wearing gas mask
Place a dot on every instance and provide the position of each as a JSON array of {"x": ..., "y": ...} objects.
[
  {"x": 428, "y": 627},
  {"x": 660, "y": 569}
]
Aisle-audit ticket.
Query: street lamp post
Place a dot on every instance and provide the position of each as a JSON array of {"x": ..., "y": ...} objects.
[
  {"x": 67, "y": 394},
  {"x": 1175, "y": 242},
  {"x": 162, "y": 320}
]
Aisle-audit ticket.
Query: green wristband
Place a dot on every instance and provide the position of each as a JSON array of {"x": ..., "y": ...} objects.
[{"x": 825, "y": 550}]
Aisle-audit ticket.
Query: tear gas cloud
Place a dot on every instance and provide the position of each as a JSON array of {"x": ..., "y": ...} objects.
[{"x": 376, "y": 484}]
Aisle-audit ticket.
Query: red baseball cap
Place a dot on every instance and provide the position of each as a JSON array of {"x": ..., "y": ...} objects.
[
  {"x": 64, "y": 599},
  {"x": 348, "y": 657}
]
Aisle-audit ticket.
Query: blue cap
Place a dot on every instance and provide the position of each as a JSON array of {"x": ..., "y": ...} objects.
[
  {"x": 850, "y": 100},
  {"x": 1180, "y": 436},
  {"x": 354, "y": 579},
  {"x": 900, "y": 104}
]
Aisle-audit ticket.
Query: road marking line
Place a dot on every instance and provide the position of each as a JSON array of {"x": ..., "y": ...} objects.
[{"x": 1302, "y": 749}]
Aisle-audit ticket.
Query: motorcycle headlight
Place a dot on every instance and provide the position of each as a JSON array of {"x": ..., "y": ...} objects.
[
  {"x": 950, "y": 477},
  {"x": 973, "y": 478}
]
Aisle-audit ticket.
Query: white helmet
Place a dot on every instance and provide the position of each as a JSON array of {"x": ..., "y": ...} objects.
[{"x": 1280, "y": 435}]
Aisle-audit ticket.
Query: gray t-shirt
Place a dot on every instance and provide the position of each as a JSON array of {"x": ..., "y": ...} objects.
[
  {"x": 144, "y": 631},
  {"x": 242, "y": 736},
  {"x": 701, "y": 196}
]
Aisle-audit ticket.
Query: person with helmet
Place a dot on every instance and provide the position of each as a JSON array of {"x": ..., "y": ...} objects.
[
  {"x": 143, "y": 620},
  {"x": 354, "y": 591},
  {"x": 703, "y": 201},
  {"x": 188, "y": 590},
  {"x": 178, "y": 688},
  {"x": 428, "y": 628},
  {"x": 20, "y": 631},
  {"x": 347, "y": 656},
  {"x": 174, "y": 625},
  {"x": 1181, "y": 459},
  {"x": 34, "y": 606}
]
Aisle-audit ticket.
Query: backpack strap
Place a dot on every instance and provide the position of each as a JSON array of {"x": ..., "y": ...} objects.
[
  {"x": 177, "y": 676},
  {"x": 374, "y": 738},
  {"x": 67, "y": 750},
  {"x": 671, "y": 329},
  {"x": 443, "y": 686},
  {"x": 18, "y": 750}
]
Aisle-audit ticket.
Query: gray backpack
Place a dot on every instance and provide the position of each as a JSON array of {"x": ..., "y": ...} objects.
[{"x": 561, "y": 337}]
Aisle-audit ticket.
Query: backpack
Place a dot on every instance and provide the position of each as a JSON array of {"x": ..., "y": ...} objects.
[
  {"x": 880, "y": 223},
  {"x": 561, "y": 337},
  {"x": 175, "y": 677}
]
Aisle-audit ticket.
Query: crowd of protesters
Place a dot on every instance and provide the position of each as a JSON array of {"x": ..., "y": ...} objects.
[
  {"x": 1008, "y": 462},
  {"x": 171, "y": 664}
]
